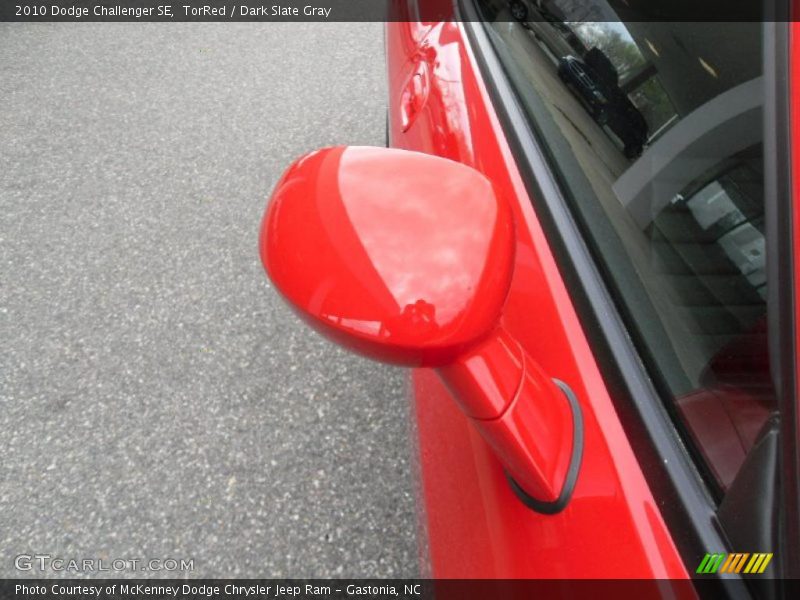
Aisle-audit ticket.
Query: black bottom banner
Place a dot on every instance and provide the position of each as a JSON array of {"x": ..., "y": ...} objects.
[{"x": 375, "y": 589}]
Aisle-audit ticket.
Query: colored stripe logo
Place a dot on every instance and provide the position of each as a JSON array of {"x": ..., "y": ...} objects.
[{"x": 736, "y": 562}]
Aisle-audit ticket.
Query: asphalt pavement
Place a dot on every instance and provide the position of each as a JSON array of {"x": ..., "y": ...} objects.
[{"x": 157, "y": 398}]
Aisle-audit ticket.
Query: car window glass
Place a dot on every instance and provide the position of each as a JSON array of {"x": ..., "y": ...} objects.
[{"x": 654, "y": 131}]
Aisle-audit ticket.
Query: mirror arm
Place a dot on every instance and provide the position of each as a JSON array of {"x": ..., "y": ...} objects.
[{"x": 532, "y": 423}]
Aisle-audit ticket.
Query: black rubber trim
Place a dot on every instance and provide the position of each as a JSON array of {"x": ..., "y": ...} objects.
[
  {"x": 551, "y": 508},
  {"x": 781, "y": 227}
]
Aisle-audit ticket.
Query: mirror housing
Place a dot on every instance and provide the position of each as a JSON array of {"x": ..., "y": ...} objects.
[
  {"x": 400, "y": 256},
  {"x": 407, "y": 258}
]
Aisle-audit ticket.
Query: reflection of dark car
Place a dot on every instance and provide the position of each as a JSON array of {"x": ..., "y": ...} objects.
[{"x": 596, "y": 86}]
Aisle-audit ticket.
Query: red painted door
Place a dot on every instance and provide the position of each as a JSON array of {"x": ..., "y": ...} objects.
[{"x": 475, "y": 525}]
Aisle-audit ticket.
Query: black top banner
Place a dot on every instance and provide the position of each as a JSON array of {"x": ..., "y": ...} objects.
[{"x": 391, "y": 10}]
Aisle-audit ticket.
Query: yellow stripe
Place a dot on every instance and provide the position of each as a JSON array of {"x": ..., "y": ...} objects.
[
  {"x": 753, "y": 564},
  {"x": 765, "y": 563}
]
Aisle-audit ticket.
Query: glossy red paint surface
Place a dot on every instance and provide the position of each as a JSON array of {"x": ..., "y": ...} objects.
[
  {"x": 535, "y": 435},
  {"x": 398, "y": 255},
  {"x": 518, "y": 410},
  {"x": 485, "y": 380},
  {"x": 476, "y": 527},
  {"x": 414, "y": 95}
]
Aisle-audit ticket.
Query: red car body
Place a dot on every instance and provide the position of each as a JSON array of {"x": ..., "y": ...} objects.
[{"x": 476, "y": 527}]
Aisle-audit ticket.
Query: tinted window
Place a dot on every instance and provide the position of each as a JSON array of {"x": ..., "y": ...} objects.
[{"x": 655, "y": 133}]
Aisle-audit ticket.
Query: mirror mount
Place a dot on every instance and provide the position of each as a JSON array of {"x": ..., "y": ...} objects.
[
  {"x": 533, "y": 423},
  {"x": 407, "y": 258}
]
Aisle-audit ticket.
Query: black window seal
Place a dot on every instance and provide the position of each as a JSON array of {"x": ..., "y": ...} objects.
[
  {"x": 682, "y": 496},
  {"x": 780, "y": 222}
]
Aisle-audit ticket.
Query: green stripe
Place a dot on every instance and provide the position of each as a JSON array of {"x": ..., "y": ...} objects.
[
  {"x": 701, "y": 568},
  {"x": 710, "y": 563}
]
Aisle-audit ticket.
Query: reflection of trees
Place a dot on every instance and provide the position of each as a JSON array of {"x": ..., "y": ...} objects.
[
  {"x": 623, "y": 53},
  {"x": 637, "y": 76},
  {"x": 578, "y": 10}
]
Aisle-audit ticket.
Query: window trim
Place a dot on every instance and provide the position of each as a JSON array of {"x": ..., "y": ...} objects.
[
  {"x": 687, "y": 507},
  {"x": 781, "y": 226}
]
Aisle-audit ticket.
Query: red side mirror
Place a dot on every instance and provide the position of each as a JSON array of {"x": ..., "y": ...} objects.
[{"x": 407, "y": 258}]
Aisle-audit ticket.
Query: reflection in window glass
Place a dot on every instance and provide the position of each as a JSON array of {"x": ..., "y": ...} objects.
[{"x": 655, "y": 131}]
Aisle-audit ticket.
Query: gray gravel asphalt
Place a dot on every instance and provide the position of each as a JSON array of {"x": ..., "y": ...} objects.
[{"x": 157, "y": 399}]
